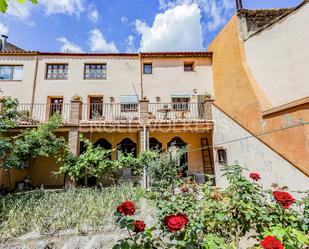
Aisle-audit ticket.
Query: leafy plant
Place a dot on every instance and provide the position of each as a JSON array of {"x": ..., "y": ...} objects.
[
  {"x": 94, "y": 161},
  {"x": 5, "y": 3},
  {"x": 39, "y": 141}
]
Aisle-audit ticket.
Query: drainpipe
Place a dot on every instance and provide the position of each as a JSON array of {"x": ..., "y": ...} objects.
[
  {"x": 141, "y": 75},
  {"x": 239, "y": 5},
  {"x": 144, "y": 149},
  {"x": 34, "y": 84}
]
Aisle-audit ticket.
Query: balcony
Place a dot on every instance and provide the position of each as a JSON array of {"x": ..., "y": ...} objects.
[{"x": 77, "y": 113}]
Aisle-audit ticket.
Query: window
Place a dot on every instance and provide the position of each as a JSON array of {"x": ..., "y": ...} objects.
[
  {"x": 95, "y": 71},
  {"x": 96, "y": 107},
  {"x": 189, "y": 66},
  {"x": 57, "y": 71},
  {"x": 128, "y": 103},
  {"x": 56, "y": 105},
  {"x": 222, "y": 158},
  {"x": 11, "y": 72},
  {"x": 147, "y": 68},
  {"x": 181, "y": 103}
]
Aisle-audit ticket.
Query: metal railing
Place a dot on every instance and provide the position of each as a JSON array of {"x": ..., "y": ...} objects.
[
  {"x": 111, "y": 112},
  {"x": 176, "y": 111},
  {"x": 40, "y": 113}
]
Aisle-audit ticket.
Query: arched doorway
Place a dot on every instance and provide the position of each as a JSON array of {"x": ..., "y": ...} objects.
[
  {"x": 126, "y": 146},
  {"x": 103, "y": 143},
  {"x": 154, "y": 144},
  {"x": 179, "y": 143}
]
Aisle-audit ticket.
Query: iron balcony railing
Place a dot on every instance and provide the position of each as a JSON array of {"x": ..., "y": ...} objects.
[
  {"x": 40, "y": 113},
  {"x": 176, "y": 111},
  {"x": 111, "y": 112}
]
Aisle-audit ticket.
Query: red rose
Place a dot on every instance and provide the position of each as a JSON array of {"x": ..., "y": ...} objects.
[
  {"x": 126, "y": 208},
  {"x": 271, "y": 242},
  {"x": 175, "y": 222},
  {"x": 139, "y": 226},
  {"x": 255, "y": 176},
  {"x": 284, "y": 199}
]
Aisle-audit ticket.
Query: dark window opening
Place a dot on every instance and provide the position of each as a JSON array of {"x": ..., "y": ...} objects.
[
  {"x": 188, "y": 66},
  {"x": 56, "y": 106},
  {"x": 183, "y": 162},
  {"x": 154, "y": 144},
  {"x": 126, "y": 146},
  {"x": 96, "y": 107},
  {"x": 181, "y": 104},
  {"x": 222, "y": 157},
  {"x": 147, "y": 69}
]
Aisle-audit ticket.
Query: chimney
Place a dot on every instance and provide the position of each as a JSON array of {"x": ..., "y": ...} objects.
[
  {"x": 4, "y": 42},
  {"x": 239, "y": 5}
]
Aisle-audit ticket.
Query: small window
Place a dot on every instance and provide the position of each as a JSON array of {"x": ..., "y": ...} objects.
[
  {"x": 222, "y": 158},
  {"x": 11, "y": 72},
  {"x": 181, "y": 103},
  {"x": 189, "y": 66},
  {"x": 95, "y": 71},
  {"x": 57, "y": 72},
  {"x": 147, "y": 68},
  {"x": 128, "y": 103},
  {"x": 56, "y": 106}
]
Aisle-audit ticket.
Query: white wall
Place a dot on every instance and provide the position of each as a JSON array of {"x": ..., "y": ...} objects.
[
  {"x": 122, "y": 73},
  {"x": 251, "y": 153},
  {"x": 19, "y": 89},
  {"x": 279, "y": 58},
  {"x": 169, "y": 78}
]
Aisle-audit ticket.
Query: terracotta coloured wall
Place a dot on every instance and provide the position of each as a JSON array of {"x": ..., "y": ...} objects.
[{"x": 239, "y": 95}]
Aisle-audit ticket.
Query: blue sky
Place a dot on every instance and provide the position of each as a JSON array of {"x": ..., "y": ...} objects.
[{"x": 122, "y": 25}]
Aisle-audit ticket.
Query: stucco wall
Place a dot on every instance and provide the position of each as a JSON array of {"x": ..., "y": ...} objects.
[
  {"x": 279, "y": 58},
  {"x": 122, "y": 73},
  {"x": 251, "y": 153},
  {"x": 123, "y": 78},
  {"x": 169, "y": 78},
  {"x": 19, "y": 89}
]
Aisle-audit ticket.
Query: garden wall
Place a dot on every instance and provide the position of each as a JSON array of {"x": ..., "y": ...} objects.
[{"x": 250, "y": 152}]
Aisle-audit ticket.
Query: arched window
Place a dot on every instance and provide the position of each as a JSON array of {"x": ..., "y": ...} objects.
[
  {"x": 179, "y": 143},
  {"x": 103, "y": 143},
  {"x": 154, "y": 144},
  {"x": 126, "y": 146}
]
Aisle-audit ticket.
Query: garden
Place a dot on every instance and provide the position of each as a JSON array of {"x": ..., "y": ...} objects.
[{"x": 173, "y": 212}]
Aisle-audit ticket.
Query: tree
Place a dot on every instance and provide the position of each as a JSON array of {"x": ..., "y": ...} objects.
[{"x": 5, "y": 3}]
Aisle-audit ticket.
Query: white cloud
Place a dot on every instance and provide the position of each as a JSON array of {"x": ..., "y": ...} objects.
[
  {"x": 20, "y": 11},
  {"x": 217, "y": 12},
  {"x": 69, "y": 7},
  {"x": 4, "y": 30},
  {"x": 177, "y": 29},
  {"x": 93, "y": 14},
  {"x": 97, "y": 43},
  {"x": 124, "y": 20},
  {"x": 130, "y": 44},
  {"x": 68, "y": 46}
]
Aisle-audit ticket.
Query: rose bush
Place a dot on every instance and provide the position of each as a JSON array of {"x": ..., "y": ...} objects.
[{"x": 204, "y": 216}]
